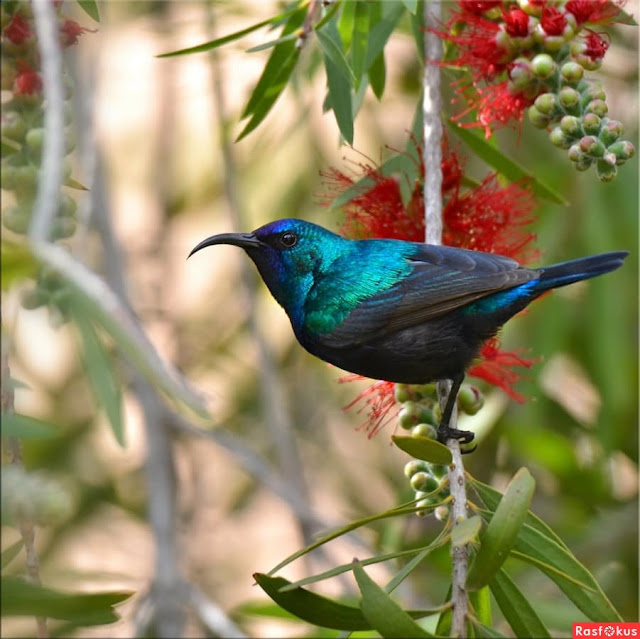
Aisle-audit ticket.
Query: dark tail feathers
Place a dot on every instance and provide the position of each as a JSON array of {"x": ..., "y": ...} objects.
[{"x": 581, "y": 269}]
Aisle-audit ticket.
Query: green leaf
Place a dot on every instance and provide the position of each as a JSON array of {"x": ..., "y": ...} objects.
[
  {"x": 74, "y": 184},
  {"x": 269, "y": 97},
  {"x": 104, "y": 383},
  {"x": 9, "y": 146},
  {"x": 340, "y": 99},
  {"x": 423, "y": 448},
  {"x": 502, "y": 531},
  {"x": 465, "y": 531},
  {"x": 504, "y": 165},
  {"x": 378, "y": 76},
  {"x": 359, "y": 41},
  {"x": 272, "y": 43},
  {"x": 412, "y": 5},
  {"x": 483, "y": 631},
  {"x": 382, "y": 30},
  {"x": 19, "y": 598},
  {"x": 10, "y": 553},
  {"x": 24, "y": 427},
  {"x": 354, "y": 525},
  {"x": 480, "y": 601},
  {"x": 18, "y": 264},
  {"x": 562, "y": 567},
  {"x": 622, "y": 17},
  {"x": 345, "y": 22},
  {"x": 491, "y": 498},
  {"x": 515, "y": 607},
  {"x": 331, "y": 46},
  {"x": 218, "y": 42},
  {"x": 384, "y": 614},
  {"x": 91, "y": 8}
]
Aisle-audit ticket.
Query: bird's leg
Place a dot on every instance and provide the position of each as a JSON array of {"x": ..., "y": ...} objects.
[{"x": 444, "y": 431}]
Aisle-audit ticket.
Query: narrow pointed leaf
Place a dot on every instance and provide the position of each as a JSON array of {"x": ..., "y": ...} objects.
[
  {"x": 359, "y": 41},
  {"x": 272, "y": 43},
  {"x": 272, "y": 71},
  {"x": 19, "y": 598},
  {"x": 505, "y": 165},
  {"x": 25, "y": 427},
  {"x": 515, "y": 607},
  {"x": 104, "y": 383},
  {"x": 412, "y": 5},
  {"x": 354, "y": 525},
  {"x": 382, "y": 612},
  {"x": 218, "y": 42},
  {"x": 500, "y": 535},
  {"x": 491, "y": 498},
  {"x": 10, "y": 553},
  {"x": 392, "y": 11},
  {"x": 483, "y": 631},
  {"x": 480, "y": 601},
  {"x": 465, "y": 531},
  {"x": 74, "y": 184},
  {"x": 269, "y": 97},
  {"x": 345, "y": 23},
  {"x": 340, "y": 97},
  {"x": 378, "y": 76},
  {"x": 90, "y": 7},
  {"x": 424, "y": 448},
  {"x": 316, "y": 609},
  {"x": 331, "y": 46}
]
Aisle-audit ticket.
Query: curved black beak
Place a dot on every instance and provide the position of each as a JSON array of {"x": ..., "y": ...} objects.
[{"x": 243, "y": 240}]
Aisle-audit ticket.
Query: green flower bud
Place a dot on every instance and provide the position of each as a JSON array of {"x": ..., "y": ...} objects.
[
  {"x": 592, "y": 91},
  {"x": 63, "y": 227},
  {"x": 424, "y": 430},
  {"x": 575, "y": 154},
  {"x": 558, "y": 138},
  {"x": 439, "y": 471},
  {"x": 415, "y": 466},
  {"x": 67, "y": 206},
  {"x": 546, "y": 103},
  {"x": 599, "y": 107},
  {"x": 13, "y": 126},
  {"x": 531, "y": 8},
  {"x": 17, "y": 218},
  {"x": 605, "y": 171},
  {"x": 425, "y": 390},
  {"x": 470, "y": 400},
  {"x": 409, "y": 415},
  {"x": 401, "y": 393},
  {"x": 441, "y": 513},
  {"x": 426, "y": 504},
  {"x": 591, "y": 145},
  {"x": 543, "y": 66},
  {"x": 521, "y": 75},
  {"x": 583, "y": 164},
  {"x": 568, "y": 97},
  {"x": 570, "y": 126},
  {"x": 35, "y": 140},
  {"x": 610, "y": 131},
  {"x": 572, "y": 72},
  {"x": 424, "y": 482},
  {"x": 591, "y": 123},
  {"x": 610, "y": 158},
  {"x": 537, "y": 118},
  {"x": 623, "y": 150}
]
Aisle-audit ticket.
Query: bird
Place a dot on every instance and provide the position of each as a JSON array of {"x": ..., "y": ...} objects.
[{"x": 394, "y": 310}]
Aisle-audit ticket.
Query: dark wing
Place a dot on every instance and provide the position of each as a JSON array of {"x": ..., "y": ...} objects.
[{"x": 443, "y": 279}]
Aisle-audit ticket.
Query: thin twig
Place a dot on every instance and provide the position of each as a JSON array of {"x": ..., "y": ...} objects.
[
  {"x": 50, "y": 181},
  {"x": 432, "y": 107}
]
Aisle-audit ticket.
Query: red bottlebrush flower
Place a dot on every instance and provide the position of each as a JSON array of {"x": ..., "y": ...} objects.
[
  {"x": 28, "y": 82},
  {"x": 18, "y": 29},
  {"x": 553, "y": 21},
  {"x": 516, "y": 23},
  {"x": 596, "y": 46},
  {"x": 497, "y": 368},
  {"x": 378, "y": 400},
  {"x": 70, "y": 31},
  {"x": 594, "y": 11}
]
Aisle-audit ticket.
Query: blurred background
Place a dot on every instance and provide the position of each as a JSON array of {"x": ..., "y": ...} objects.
[{"x": 155, "y": 145}]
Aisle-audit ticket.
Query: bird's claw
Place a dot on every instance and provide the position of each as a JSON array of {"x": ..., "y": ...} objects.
[{"x": 463, "y": 436}]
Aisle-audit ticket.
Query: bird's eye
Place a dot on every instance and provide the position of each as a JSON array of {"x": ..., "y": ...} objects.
[{"x": 288, "y": 239}]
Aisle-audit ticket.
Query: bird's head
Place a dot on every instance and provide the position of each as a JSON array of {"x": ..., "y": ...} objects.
[{"x": 290, "y": 254}]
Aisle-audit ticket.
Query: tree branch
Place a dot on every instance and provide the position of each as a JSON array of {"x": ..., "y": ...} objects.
[{"x": 431, "y": 109}]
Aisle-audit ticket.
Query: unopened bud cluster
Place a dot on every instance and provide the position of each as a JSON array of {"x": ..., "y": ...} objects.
[
  {"x": 420, "y": 415},
  {"x": 546, "y": 47},
  {"x": 23, "y": 133},
  {"x": 29, "y": 497}
]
